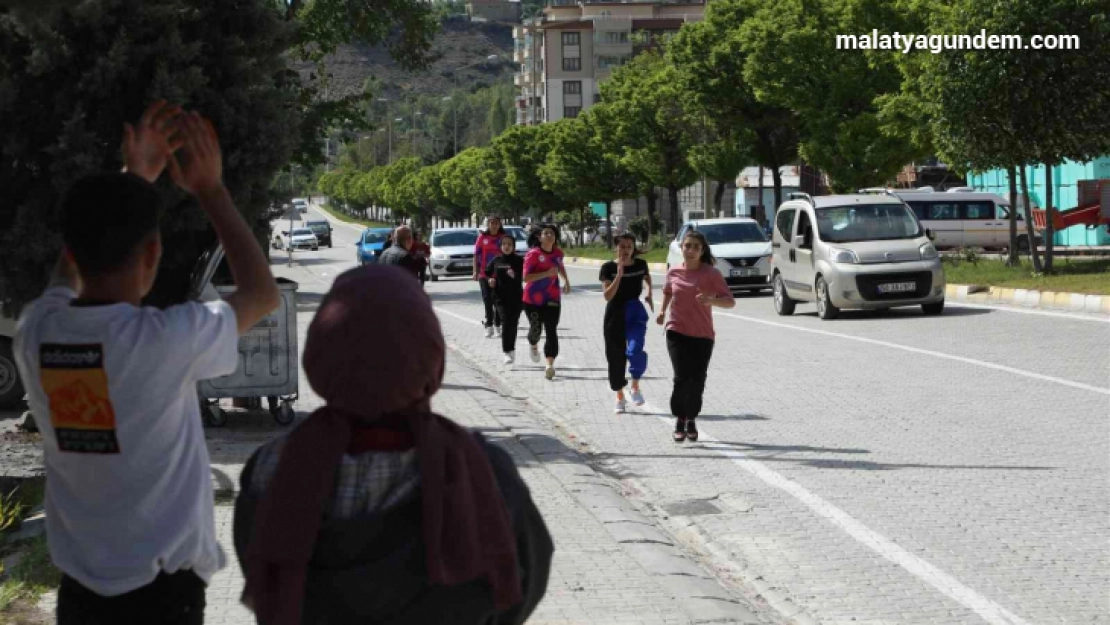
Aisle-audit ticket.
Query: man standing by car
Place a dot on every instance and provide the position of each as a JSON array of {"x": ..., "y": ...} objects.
[
  {"x": 422, "y": 253},
  {"x": 399, "y": 254}
]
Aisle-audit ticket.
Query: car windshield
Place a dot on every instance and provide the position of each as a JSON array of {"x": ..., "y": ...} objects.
[
  {"x": 518, "y": 233},
  {"x": 373, "y": 237},
  {"x": 741, "y": 232},
  {"x": 302, "y": 232},
  {"x": 877, "y": 222},
  {"x": 317, "y": 225},
  {"x": 455, "y": 239}
]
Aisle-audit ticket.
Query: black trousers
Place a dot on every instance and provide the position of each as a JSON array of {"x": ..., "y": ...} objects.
[
  {"x": 510, "y": 322},
  {"x": 492, "y": 318},
  {"x": 690, "y": 359},
  {"x": 176, "y": 599},
  {"x": 544, "y": 319}
]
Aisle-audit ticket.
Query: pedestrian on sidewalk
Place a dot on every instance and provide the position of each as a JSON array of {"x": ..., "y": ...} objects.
[
  {"x": 505, "y": 273},
  {"x": 694, "y": 288},
  {"x": 625, "y": 322},
  {"x": 129, "y": 506},
  {"x": 422, "y": 252},
  {"x": 486, "y": 247},
  {"x": 375, "y": 509},
  {"x": 399, "y": 253},
  {"x": 543, "y": 266}
]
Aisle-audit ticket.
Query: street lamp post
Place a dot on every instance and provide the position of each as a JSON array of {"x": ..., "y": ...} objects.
[
  {"x": 454, "y": 105},
  {"x": 390, "y": 130}
]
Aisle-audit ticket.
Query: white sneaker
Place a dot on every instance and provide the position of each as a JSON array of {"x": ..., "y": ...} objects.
[
  {"x": 549, "y": 373},
  {"x": 619, "y": 408},
  {"x": 535, "y": 353},
  {"x": 637, "y": 397},
  {"x": 489, "y": 332},
  {"x": 510, "y": 358},
  {"x": 497, "y": 330}
]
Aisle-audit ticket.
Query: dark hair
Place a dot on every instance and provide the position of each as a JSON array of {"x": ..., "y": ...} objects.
[
  {"x": 548, "y": 226},
  {"x": 506, "y": 235},
  {"x": 105, "y": 218},
  {"x": 706, "y": 254},
  {"x": 631, "y": 237},
  {"x": 500, "y": 224}
]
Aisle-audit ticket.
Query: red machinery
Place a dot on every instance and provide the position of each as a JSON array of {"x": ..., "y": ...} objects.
[{"x": 1093, "y": 209}]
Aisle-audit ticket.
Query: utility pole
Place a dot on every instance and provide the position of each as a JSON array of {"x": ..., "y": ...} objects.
[{"x": 390, "y": 128}]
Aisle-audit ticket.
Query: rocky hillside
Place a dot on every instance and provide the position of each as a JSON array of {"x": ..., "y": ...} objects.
[{"x": 460, "y": 43}]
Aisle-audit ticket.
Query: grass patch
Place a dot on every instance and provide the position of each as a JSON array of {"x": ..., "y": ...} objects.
[
  {"x": 1069, "y": 275},
  {"x": 32, "y": 576},
  {"x": 352, "y": 220},
  {"x": 598, "y": 251}
]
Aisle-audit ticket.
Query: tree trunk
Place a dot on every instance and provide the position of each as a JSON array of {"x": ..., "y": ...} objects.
[
  {"x": 1033, "y": 251},
  {"x": 609, "y": 223},
  {"x": 759, "y": 202},
  {"x": 1013, "y": 259},
  {"x": 717, "y": 195},
  {"x": 672, "y": 197},
  {"x": 652, "y": 197},
  {"x": 1049, "y": 228},
  {"x": 776, "y": 175}
]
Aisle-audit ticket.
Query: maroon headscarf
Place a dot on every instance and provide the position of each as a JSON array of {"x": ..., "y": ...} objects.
[{"x": 467, "y": 530}]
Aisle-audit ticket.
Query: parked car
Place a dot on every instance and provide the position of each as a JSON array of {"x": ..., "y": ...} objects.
[
  {"x": 962, "y": 218},
  {"x": 740, "y": 246},
  {"x": 521, "y": 237},
  {"x": 11, "y": 387},
  {"x": 854, "y": 251},
  {"x": 370, "y": 245},
  {"x": 452, "y": 252},
  {"x": 301, "y": 204},
  {"x": 322, "y": 230},
  {"x": 302, "y": 239}
]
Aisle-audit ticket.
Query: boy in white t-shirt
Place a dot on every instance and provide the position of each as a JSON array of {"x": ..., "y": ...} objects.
[{"x": 129, "y": 506}]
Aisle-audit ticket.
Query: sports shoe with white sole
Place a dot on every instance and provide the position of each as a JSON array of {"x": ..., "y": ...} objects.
[
  {"x": 510, "y": 358},
  {"x": 535, "y": 353},
  {"x": 637, "y": 397},
  {"x": 619, "y": 408},
  {"x": 549, "y": 373},
  {"x": 497, "y": 330},
  {"x": 489, "y": 332}
]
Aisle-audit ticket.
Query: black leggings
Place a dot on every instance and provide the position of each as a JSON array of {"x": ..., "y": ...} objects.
[
  {"x": 510, "y": 321},
  {"x": 690, "y": 359},
  {"x": 492, "y": 317},
  {"x": 176, "y": 599},
  {"x": 544, "y": 319}
]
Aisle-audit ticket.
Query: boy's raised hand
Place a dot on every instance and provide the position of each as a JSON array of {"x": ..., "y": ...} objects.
[
  {"x": 148, "y": 146},
  {"x": 203, "y": 163}
]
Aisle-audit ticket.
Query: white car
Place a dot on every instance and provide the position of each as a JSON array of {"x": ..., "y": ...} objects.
[
  {"x": 452, "y": 252},
  {"x": 742, "y": 250},
  {"x": 303, "y": 239},
  {"x": 301, "y": 204},
  {"x": 521, "y": 238}
]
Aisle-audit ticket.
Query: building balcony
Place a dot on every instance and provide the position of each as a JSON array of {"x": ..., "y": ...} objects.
[{"x": 519, "y": 79}]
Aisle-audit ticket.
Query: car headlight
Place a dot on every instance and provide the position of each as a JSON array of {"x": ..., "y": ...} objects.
[
  {"x": 928, "y": 251},
  {"x": 847, "y": 257},
  {"x": 439, "y": 256}
]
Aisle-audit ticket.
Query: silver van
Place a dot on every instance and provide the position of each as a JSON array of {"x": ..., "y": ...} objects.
[{"x": 853, "y": 252}]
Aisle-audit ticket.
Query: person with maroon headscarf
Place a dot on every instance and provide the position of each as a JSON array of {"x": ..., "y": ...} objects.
[{"x": 376, "y": 509}]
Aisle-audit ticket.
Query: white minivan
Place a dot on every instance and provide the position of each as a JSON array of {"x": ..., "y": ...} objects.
[{"x": 962, "y": 218}]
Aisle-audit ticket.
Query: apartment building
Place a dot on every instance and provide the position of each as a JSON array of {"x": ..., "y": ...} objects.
[{"x": 566, "y": 54}]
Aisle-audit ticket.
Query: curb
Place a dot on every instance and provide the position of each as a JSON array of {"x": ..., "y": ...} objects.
[
  {"x": 575, "y": 260},
  {"x": 1028, "y": 298},
  {"x": 707, "y": 599}
]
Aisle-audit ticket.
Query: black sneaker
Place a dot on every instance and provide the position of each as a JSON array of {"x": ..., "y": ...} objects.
[
  {"x": 691, "y": 431},
  {"x": 680, "y": 430}
]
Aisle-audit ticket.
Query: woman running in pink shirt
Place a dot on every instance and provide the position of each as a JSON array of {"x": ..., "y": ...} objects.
[{"x": 694, "y": 288}]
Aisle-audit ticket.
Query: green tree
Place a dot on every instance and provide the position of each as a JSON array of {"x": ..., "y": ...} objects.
[
  {"x": 647, "y": 113},
  {"x": 711, "y": 61},
  {"x": 720, "y": 159},
  {"x": 523, "y": 149},
  {"x": 792, "y": 61}
]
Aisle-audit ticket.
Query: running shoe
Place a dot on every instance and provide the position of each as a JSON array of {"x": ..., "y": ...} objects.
[
  {"x": 510, "y": 358},
  {"x": 489, "y": 332},
  {"x": 637, "y": 397},
  {"x": 619, "y": 408},
  {"x": 535, "y": 353},
  {"x": 550, "y": 372},
  {"x": 497, "y": 330},
  {"x": 691, "y": 431},
  {"x": 679, "y": 430}
]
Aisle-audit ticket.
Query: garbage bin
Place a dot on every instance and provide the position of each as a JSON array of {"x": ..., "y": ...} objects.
[{"x": 268, "y": 356}]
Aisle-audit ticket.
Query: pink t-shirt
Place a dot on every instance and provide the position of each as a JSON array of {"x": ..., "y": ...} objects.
[{"x": 688, "y": 317}]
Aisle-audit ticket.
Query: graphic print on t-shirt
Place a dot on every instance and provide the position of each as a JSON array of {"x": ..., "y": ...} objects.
[{"x": 76, "y": 386}]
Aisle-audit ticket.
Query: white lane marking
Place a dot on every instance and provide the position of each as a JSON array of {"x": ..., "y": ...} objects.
[
  {"x": 926, "y": 352},
  {"x": 441, "y": 310},
  {"x": 944, "y": 583},
  {"x": 1043, "y": 313}
]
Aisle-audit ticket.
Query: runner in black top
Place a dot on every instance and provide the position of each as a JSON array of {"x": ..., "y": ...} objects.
[
  {"x": 626, "y": 319},
  {"x": 505, "y": 274}
]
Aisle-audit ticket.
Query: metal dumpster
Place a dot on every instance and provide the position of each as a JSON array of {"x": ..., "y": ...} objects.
[{"x": 268, "y": 364}]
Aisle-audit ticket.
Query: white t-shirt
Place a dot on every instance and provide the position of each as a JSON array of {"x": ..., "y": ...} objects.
[{"x": 113, "y": 389}]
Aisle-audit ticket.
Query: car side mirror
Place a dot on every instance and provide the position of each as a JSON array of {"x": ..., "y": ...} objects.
[
  {"x": 285, "y": 232},
  {"x": 799, "y": 240},
  {"x": 932, "y": 236}
]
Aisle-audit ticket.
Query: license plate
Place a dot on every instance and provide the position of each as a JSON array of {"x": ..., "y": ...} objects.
[
  {"x": 898, "y": 287},
  {"x": 744, "y": 273}
]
